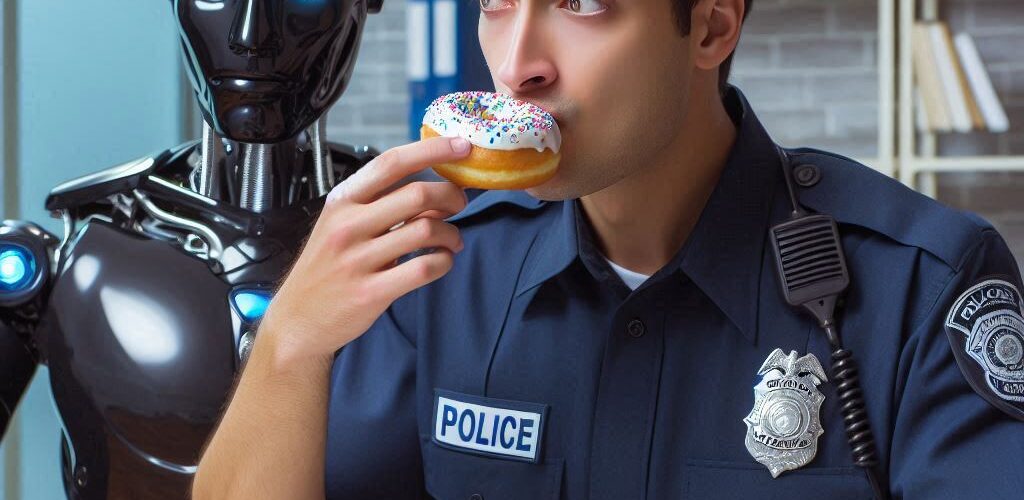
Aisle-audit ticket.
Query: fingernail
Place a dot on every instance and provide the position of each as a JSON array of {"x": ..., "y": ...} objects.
[{"x": 460, "y": 145}]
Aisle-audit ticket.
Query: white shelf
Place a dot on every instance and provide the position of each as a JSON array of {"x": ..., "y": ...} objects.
[{"x": 966, "y": 164}]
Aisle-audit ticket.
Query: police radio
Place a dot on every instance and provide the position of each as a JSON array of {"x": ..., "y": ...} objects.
[{"x": 812, "y": 273}]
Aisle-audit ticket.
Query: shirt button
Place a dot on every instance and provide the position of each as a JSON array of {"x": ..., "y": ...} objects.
[
  {"x": 636, "y": 328},
  {"x": 476, "y": 496}
]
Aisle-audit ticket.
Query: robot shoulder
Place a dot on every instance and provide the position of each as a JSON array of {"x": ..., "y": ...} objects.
[
  {"x": 119, "y": 178},
  {"x": 855, "y": 194}
]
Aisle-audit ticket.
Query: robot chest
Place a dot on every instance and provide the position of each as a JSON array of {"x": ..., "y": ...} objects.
[{"x": 145, "y": 338}]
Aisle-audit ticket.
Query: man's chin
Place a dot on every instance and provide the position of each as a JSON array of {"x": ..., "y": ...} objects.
[{"x": 553, "y": 189}]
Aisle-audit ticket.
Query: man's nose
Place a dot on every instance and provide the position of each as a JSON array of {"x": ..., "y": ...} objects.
[
  {"x": 253, "y": 31},
  {"x": 527, "y": 66}
]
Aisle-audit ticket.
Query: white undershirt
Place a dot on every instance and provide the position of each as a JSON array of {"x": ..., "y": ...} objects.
[{"x": 631, "y": 278}]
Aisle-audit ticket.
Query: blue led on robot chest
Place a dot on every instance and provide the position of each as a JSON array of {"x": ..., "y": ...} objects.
[{"x": 488, "y": 426}]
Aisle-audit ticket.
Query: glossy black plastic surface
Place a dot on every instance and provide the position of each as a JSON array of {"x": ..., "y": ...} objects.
[
  {"x": 141, "y": 337},
  {"x": 141, "y": 355},
  {"x": 263, "y": 70}
]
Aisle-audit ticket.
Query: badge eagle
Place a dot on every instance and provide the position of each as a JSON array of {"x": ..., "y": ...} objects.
[{"x": 784, "y": 425}]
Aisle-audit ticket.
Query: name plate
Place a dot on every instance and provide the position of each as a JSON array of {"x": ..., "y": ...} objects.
[{"x": 489, "y": 426}]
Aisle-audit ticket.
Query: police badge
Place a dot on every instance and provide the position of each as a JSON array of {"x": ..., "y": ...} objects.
[
  {"x": 783, "y": 427},
  {"x": 988, "y": 315}
]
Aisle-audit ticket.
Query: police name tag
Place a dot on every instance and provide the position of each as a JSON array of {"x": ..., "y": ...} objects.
[{"x": 489, "y": 426}]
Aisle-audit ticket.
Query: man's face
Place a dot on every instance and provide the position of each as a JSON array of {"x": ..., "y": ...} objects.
[
  {"x": 266, "y": 69},
  {"x": 614, "y": 73}
]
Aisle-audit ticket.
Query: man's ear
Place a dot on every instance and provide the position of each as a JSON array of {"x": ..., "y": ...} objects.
[{"x": 715, "y": 30}]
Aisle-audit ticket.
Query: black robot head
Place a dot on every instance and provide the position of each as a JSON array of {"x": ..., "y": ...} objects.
[{"x": 264, "y": 70}]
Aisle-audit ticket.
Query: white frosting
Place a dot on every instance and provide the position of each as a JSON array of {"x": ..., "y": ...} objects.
[{"x": 493, "y": 120}]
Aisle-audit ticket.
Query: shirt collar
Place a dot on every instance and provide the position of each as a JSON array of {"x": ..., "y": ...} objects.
[{"x": 723, "y": 253}]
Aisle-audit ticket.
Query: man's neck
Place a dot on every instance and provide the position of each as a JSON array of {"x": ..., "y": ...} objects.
[{"x": 643, "y": 220}]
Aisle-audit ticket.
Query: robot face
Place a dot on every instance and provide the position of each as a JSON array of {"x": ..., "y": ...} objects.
[{"x": 264, "y": 70}]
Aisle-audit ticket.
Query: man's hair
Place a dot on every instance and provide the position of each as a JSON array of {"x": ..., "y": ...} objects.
[{"x": 682, "y": 10}]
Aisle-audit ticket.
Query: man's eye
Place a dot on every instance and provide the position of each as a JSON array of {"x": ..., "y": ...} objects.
[
  {"x": 575, "y": 6},
  {"x": 490, "y": 5}
]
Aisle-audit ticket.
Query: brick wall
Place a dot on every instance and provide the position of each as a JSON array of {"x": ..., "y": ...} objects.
[
  {"x": 809, "y": 69},
  {"x": 374, "y": 108}
]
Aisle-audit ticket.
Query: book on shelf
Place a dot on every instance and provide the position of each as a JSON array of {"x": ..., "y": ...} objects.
[
  {"x": 977, "y": 121},
  {"x": 981, "y": 85},
  {"x": 955, "y": 92},
  {"x": 959, "y": 115},
  {"x": 929, "y": 80},
  {"x": 921, "y": 115}
]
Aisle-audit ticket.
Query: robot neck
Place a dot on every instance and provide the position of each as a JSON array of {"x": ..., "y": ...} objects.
[{"x": 260, "y": 177}]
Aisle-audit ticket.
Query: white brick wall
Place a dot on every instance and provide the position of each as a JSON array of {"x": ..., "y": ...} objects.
[
  {"x": 374, "y": 108},
  {"x": 809, "y": 69}
]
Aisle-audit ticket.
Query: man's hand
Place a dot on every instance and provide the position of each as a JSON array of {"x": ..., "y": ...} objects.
[
  {"x": 270, "y": 441},
  {"x": 346, "y": 276}
]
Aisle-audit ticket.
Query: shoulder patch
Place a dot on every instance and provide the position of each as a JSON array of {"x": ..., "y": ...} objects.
[
  {"x": 986, "y": 330},
  {"x": 854, "y": 193},
  {"x": 491, "y": 198}
]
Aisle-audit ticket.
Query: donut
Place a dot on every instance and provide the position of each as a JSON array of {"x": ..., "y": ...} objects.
[{"x": 514, "y": 143}]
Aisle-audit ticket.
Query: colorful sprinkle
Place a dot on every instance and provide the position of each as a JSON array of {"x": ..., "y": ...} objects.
[{"x": 486, "y": 115}]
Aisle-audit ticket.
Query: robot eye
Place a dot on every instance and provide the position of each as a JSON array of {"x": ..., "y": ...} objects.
[
  {"x": 209, "y": 4},
  {"x": 250, "y": 304}
]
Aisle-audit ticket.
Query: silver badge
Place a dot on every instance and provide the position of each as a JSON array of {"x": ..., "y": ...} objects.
[
  {"x": 783, "y": 427},
  {"x": 989, "y": 314}
]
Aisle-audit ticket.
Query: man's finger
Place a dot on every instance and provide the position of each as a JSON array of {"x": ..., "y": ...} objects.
[{"x": 367, "y": 183}]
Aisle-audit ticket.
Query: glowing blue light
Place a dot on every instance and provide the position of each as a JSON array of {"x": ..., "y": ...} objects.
[
  {"x": 251, "y": 304},
  {"x": 15, "y": 268}
]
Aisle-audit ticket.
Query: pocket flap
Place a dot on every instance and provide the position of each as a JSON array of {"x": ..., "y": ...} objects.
[{"x": 708, "y": 479}]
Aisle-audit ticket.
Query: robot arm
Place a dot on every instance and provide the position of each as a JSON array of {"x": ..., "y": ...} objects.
[{"x": 25, "y": 276}]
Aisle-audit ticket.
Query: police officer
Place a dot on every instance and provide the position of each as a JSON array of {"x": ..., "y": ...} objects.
[{"x": 627, "y": 329}]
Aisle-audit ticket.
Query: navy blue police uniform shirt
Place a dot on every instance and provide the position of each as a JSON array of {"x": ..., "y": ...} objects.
[{"x": 531, "y": 371}]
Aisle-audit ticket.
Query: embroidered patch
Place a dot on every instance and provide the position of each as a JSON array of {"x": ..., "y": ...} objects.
[
  {"x": 489, "y": 426},
  {"x": 989, "y": 316},
  {"x": 784, "y": 425}
]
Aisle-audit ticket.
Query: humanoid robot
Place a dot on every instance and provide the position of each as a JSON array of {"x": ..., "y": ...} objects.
[{"x": 145, "y": 308}]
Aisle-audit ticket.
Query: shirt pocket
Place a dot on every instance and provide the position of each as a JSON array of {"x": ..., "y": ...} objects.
[
  {"x": 457, "y": 475},
  {"x": 722, "y": 479}
]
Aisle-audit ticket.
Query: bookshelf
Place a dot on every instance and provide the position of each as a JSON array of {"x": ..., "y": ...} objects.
[{"x": 917, "y": 162}]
